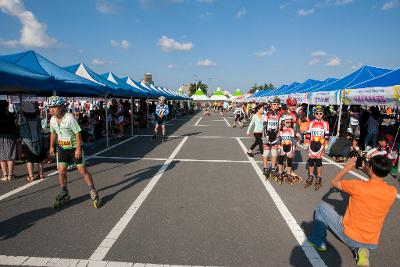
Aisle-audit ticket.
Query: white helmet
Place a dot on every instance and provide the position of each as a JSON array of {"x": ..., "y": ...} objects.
[{"x": 162, "y": 98}]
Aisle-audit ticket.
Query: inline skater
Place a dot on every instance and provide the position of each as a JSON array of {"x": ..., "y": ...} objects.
[
  {"x": 316, "y": 141},
  {"x": 239, "y": 114},
  {"x": 65, "y": 128},
  {"x": 161, "y": 114},
  {"x": 271, "y": 130},
  {"x": 286, "y": 150}
]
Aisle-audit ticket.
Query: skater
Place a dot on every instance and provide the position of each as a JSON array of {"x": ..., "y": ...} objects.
[
  {"x": 65, "y": 128},
  {"x": 286, "y": 150},
  {"x": 257, "y": 121},
  {"x": 367, "y": 208},
  {"x": 271, "y": 130},
  {"x": 239, "y": 114},
  {"x": 316, "y": 142},
  {"x": 161, "y": 113}
]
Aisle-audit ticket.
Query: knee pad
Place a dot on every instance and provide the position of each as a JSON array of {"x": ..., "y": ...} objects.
[
  {"x": 274, "y": 152},
  {"x": 266, "y": 153},
  {"x": 289, "y": 162}
]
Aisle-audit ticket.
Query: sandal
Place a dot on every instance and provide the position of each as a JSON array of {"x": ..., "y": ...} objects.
[
  {"x": 11, "y": 177},
  {"x": 42, "y": 177},
  {"x": 4, "y": 178}
]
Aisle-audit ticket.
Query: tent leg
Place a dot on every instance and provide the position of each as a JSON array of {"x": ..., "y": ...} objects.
[
  {"x": 106, "y": 109},
  {"x": 132, "y": 116},
  {"x": 340, "y": 112}
]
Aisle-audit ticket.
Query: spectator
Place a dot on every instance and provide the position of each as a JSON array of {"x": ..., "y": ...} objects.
[
  {"x": 367, "y": 208},
  {"x": 373, "y": 122},
  {"x": 8, "y": 142},
  {"x": 30, "y": 131},
  {"x": 341, "y": 148},
  {"x": 304, "y": 124}
]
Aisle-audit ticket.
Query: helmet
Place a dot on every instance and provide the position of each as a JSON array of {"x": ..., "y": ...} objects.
[
  {"x": 287, "y": 117},
  {"x": 275, "y": 100},
  {"x": 318, "y": 109},
  {"x": 162, "y": 98},
  {"x": 291, "y": 102},
  {"x": 55, "y": 101}
]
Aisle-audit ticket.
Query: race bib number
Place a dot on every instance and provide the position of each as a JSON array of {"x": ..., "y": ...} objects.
[
  {"x": 64, "y": 141},
  {"x": 272, "y": 124}
]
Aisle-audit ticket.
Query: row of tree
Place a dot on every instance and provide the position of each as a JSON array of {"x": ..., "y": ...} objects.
[{"x": 204, "y": 87}]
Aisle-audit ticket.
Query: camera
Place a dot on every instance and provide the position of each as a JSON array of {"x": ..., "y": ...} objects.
[{"x": 361, "y": 158}]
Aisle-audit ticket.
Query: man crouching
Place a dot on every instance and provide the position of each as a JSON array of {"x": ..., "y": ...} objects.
[{"x": 368, "y": 206}]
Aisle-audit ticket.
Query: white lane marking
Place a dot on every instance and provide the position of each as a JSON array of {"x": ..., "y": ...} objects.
[
  {"x": 227, "y": 122},
  {"x": 129, "y": 158},
  {"x": 19, "y": 189},
  {"x": 362, "y": 177},
  {"x": 42, "y": 261},
  {"x": 296, "y": 230},
  {"x": 198, "y": 121},
  {"x": 105, "y": 246},
  {"x": 212, "y": 160},
  {"x": 217, "y": 120}
]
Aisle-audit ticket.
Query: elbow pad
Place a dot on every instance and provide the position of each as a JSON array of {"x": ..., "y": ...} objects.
[
  {"x": 326, "y": 136},
  {"x": 307, "y": 136}
]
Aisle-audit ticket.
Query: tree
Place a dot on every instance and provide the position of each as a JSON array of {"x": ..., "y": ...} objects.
[
  {"x": 256, "y": 87},
  {"x": 193, "y": 87}
]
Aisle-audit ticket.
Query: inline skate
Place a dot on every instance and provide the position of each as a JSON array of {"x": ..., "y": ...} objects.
[
  {"x": 95, "y": 198},
  {"x": 61, "y": 199}
]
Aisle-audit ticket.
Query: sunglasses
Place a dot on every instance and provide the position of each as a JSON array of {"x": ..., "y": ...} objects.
[
  {"x": 288, "y": 122},
  {"x": 319, "y": 113}
]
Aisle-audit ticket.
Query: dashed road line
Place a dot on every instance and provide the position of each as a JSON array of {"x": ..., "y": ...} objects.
[
  {"x": 198, "y": 121},
  {"x": 227, "y": 122},
  {"x": 294, "y": 227},
  {"x": 105, "y": 246}
]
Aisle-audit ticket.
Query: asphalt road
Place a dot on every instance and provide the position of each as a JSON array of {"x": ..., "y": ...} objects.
[{"x": 195, "y": 200}]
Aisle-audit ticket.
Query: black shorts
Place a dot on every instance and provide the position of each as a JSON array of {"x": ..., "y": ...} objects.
[
  {"x": 160, "y": 122},
  {"x": 315, "y": 162},
  {"x": 67, "y": 157}
]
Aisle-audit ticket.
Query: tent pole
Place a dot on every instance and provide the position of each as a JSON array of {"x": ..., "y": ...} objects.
[
  {"x": 106, "y": 109},
  {"x": 131, "y": 115},
  {"x": 340, "y": 112}
]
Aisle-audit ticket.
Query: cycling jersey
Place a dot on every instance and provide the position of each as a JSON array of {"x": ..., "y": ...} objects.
[
  {"x": 317, "y": 138},
  {"x": 286, "y": 142},
  {"x": 66, "y": 131},
  {"x": 239, "y": 111},
  {"x": 271, "y": 128},
  {"x": 162, "y": 110}
]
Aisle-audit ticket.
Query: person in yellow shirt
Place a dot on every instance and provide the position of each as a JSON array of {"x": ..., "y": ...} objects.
[{"x": 368, "y": 206}]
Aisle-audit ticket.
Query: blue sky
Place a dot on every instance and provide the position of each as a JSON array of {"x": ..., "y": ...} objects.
[{"x": 226, "y": 43}]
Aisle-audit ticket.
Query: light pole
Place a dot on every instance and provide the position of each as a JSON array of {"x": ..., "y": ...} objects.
[{"x": 195, "y": 78}]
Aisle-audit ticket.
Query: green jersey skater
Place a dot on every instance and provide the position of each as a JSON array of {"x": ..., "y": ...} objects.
[{"x": 65, "y": 134}]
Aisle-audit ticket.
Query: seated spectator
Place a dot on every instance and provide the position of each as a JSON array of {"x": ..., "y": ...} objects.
[{"x": 341, "y": 148}]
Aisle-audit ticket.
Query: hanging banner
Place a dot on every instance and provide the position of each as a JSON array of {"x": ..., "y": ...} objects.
[
  {"x": 382, "y": 96},
  {"x": 324, "y": 98},
  {"x": 301, "y": 98}
]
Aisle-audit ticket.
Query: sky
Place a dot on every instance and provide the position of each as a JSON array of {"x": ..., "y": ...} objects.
[{"x": 224, "y": 43}]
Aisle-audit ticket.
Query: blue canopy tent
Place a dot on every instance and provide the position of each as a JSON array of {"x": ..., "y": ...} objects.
[
  {"x": 128, "y": 80},
  {"x": 390, "y": 78},
  {"x": 323, "y": 83},
  {"x": 156, "y": 92},
  {"x": 16, "y": 79},
  {"x": 303, "y": 86},
  {"x": 62, "y": 82},
  {"x": 282, "y": 89},
  {"x": 130, "y": 91},
  {"x": 382, "y": 90},
  {"x": 84, "y": 71}
]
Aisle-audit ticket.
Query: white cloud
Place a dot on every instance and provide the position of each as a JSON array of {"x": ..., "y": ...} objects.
[
  {"x": 97, "y": 61},
  {"x": 123, "y": 44},
  {"x": 343, "y": 2},
  {"x": 318, "y": 53},
  {"x": 314, "y": 61},
  {"x": 205, "y": 15},
  {"x": 105, "y": 7},
  {"x": 170, "y": 66},
  {"x": 242, "y": 12},
  {"x": 285, "y": 5},
  {"x": 268, "y": 52},
  {"x": 33, "y": 33},
  {"x": 334, "y": 61},
  {"x": 391, "y": 5},
  {"x": 206, "y": 63},
  {"x": 169, "y": 45},
  {"x": 303, "y": 12},
  {"x": 206, "y": 1}
]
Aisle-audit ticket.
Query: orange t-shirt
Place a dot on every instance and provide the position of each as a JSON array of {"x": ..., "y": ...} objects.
[
  {"x": 368, "y": 206},
  {"x": 304, "y": 125}
]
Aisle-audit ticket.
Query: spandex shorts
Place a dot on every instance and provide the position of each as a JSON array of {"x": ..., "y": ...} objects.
[
  {"x": 67, "y": 157},
  {"x": 315, "y": 162}
]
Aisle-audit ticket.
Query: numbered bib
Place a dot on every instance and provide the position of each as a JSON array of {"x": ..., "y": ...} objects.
[{"x": 64, "y": 141}]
